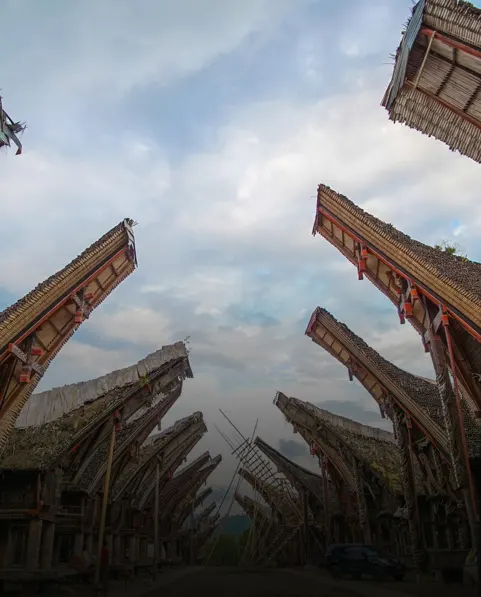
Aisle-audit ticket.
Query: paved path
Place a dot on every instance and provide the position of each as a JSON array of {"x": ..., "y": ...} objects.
[{"x": 264, "y": 583}]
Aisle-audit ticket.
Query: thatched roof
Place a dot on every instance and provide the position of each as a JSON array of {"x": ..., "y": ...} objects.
[
  {"x": 41, "y": 446},
  {"x": 133, "y": 434},
  {"x": 171, "y": 476},
  {"x": 339, "y": 437},
  {"x": 48, "y": 316},
  {"x": 456, "y": 280},
  {"x": 277, "y": 493},
  {"x": 50, "y": 405},
  {"x": 253, "y": 508},
  {"x": 161, "y": 445},
  {"x": 417, "y": 396},
  {"x": 294, "y": 472},
  {"x": 437, "y": 74},
  {"x": 412, "y": 275},
  {"x": 186, "y": 482},
  {"x": 47, "y": 293}
]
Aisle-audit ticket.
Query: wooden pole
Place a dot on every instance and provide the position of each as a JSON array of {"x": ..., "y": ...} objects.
[
  {"x": 326, "y": 498},
  {"x": 103, "y": 514},
  {"x": 306, "y": 526},
  {"x": 156, "y": 519},
  {"x": 191, "y": 556}
]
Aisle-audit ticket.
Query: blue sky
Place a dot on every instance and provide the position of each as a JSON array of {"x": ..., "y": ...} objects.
[{"x": 211, "y": 124}]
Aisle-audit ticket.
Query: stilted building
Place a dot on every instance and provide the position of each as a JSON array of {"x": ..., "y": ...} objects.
[
  {"x": 53, "y": 473},
  {"x": 438, "y": 293},
  {"x": 364, "y": 467},
  {"x": 436, "y": 83},
  {"x": 414, "y": 406}
]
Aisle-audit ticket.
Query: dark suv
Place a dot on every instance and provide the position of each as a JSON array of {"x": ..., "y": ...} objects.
[{"x": 355, "y": 559}]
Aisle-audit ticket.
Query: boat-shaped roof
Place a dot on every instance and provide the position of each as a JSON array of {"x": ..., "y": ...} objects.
[
  {"x": 41, "y": 446},
  {"x": 37, "y": 326},
  {"x": 426, "y": 284},
  {"x": 338, "y": 436}
]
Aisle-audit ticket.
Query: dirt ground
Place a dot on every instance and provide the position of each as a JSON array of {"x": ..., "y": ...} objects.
[
  {"x": 264, "y": 582},
  {"x": 249, "y": 583},
  {"x": 291, "y": 583}
]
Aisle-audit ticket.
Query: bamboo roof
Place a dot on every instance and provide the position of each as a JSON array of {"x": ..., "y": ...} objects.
[
  {"x": 339, "y": 437},
  {"x": 202, "y": 496},
  {"x": 296, "y": 474},
  {"x": 417, "y": 396},
  {"x": 184, "y": 484},
  {"x": 161, "y": 447},
  {"x": 170, "y": 474},
  {"x": 400, "y": 266},
  {"x": 127, "y": 439},
  {"x": 437, "y": 75},
  {"x": 277, "y": 493},
  {"x": 41, "y": 446},
  {"x": 253, "y": 508},
  {"x": 38, "y": 325}
]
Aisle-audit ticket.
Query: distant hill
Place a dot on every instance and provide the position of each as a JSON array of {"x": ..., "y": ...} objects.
[{"x": 233, "y": 525}]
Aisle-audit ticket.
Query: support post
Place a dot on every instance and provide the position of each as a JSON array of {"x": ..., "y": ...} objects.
[
  {"x": 325, "y": 492},
  {"x": 103, "y": 514},
  {"x": 33, "y": 545},
  {"x": 78, "y": 544},
  {"x": 306, "y": 526},
  {"x": 156, "y": 519},
  {"x": 454, "y": 429},
  {"x": 191, "y": 554},
  {"x": 46, "y": 554},
  {"x": 407, "y": 479}
]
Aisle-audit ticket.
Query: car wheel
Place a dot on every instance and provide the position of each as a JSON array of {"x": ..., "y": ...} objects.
[{"x": 398, "y": 577}]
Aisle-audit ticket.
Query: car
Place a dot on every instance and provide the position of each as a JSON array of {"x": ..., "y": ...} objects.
[{"x": 356, "y": 560}]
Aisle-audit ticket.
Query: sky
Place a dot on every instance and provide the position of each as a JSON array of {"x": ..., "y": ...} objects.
[{"x": 211, "y": 124}]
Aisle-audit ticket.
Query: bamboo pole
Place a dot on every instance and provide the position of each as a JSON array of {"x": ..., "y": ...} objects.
[{"x": 103, "y": 514}]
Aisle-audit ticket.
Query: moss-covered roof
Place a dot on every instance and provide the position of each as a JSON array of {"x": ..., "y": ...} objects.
[
  {"x": 39, "y": 447},
  {"x": 373, "y": 447}
]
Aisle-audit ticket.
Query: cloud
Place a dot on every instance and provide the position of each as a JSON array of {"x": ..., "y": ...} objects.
[{"x": 212, "y": 128}]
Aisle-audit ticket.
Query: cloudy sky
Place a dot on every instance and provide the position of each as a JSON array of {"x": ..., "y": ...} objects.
[{"x": 211, "y": 124}]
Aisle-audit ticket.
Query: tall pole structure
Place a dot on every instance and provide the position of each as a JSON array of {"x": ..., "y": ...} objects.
[
  {"x": 191, "y": 555},
  {"x": 103, "y": 514},
  {"x": 305, "y": 513},
  {"x": 326, "y": 497},
  {"x": 156, "y": 519}
]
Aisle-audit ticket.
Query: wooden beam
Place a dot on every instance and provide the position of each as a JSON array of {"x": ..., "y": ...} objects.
[
  {"x": 446, "y": 105},
  {"x": 452, "y": 43}
]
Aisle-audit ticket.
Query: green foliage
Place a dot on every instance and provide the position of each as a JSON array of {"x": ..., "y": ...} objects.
[
  {"x": 144, "y": 380},
  {"x": 450, "y": 248}
]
